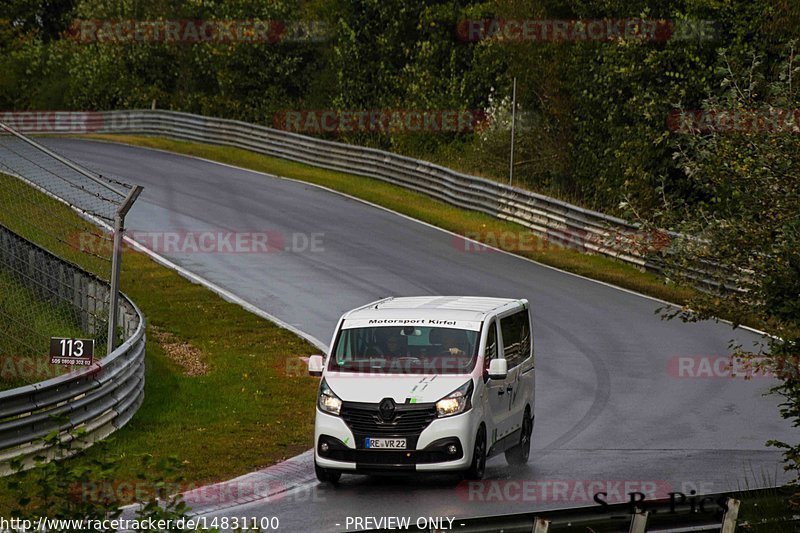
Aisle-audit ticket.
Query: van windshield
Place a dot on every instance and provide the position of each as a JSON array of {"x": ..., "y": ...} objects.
[{"x": 405, "y": 350}]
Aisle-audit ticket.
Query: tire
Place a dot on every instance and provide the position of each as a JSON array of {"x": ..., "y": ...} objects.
[
  {"x": 477, "y": 469},
  {"x": 325, "y": 475},
  {"x": 519, "y": 454}
]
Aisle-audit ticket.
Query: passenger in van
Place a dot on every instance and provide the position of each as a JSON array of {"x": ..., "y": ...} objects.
[
  {"x": 451, "y": 348},
  {"x": 453, "y": 341}
]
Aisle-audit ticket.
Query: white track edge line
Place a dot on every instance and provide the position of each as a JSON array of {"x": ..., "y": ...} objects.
[{"x": 226, "y": 294}]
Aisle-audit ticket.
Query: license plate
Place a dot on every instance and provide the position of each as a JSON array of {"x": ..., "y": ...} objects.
[{"x": 386, "y": 444}]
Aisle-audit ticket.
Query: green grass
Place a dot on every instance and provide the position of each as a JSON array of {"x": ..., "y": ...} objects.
[
  {"x": 48, "y": 223},
  {"x": 768, "y": 511},
  {"x": 251, "y": 409},
  {"x": 26, "y": 325},
  {"x": 421, "y": 207}
]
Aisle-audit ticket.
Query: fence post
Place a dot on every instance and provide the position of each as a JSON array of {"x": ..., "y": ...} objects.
[
  {"x": 119, "y": 227},
  {"x": 730, "y": 516},
  {"x": 540, "y": 525},
  {"x": 513, "y": 131},
  {"x": 639, "y": 523}
]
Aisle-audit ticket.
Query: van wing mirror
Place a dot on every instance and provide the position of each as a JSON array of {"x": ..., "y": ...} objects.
[
  {"x": 498, "y": 369},
  {"x": 315, "y": 365}
]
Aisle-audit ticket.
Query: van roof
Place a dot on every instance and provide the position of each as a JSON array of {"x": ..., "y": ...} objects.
[{"x": 455, "y": 307}]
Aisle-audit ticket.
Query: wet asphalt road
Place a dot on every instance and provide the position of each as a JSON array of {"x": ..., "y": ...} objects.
[{"x": 609, "y": 405}]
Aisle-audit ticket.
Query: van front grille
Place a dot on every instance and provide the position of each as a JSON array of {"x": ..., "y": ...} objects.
[{"x": 364, "y": 419}]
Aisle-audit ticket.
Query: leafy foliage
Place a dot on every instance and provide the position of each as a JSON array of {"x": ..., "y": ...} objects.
[
  {"x": 58, "y": 489},
  {"x": 597, "y": 129},
  {"x": 745, "y": 221}
]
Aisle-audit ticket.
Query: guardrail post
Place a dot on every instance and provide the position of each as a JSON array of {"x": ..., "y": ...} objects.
[
  {"x": 540, "y": 525},
  {"x": 639, "y": 523},
  {"x": 730, "y": 516}
]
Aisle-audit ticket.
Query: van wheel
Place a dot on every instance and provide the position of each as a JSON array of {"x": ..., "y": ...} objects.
[
  {"x": 478, "y": 466},
  {"x": 519, "y": 454},
  {"x": 327, "y": 476}
]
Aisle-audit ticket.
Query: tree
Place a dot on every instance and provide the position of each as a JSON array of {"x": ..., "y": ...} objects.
[{"x": 743, "y": 154}]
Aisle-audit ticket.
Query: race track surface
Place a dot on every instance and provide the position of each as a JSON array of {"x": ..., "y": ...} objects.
[{"x": 610, "y": 405}]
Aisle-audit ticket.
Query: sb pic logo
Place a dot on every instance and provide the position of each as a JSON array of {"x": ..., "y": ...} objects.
[{"x": 675, "y": 502}]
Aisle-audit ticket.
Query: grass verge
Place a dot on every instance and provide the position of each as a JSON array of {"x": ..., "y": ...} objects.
[
  {"x": 27, "y": 324},
  {"x": 249, "y": 407},
  {"x": 461, "y": 221}
]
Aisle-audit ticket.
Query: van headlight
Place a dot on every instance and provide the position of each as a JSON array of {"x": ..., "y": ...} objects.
[
  {"x": 457, "y": 402},
  {"x": 328, "y": 402}
]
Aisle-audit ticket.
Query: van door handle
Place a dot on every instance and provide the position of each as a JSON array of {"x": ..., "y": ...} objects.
[
  {"x": 509, "y": 388},
  {"x": 500, "y": 391}
]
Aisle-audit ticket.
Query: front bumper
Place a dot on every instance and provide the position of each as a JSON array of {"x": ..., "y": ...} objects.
[{"x": 431, "y": 453}]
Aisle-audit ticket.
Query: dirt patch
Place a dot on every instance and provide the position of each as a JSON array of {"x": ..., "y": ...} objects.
[{"x": 188, "y": 357}]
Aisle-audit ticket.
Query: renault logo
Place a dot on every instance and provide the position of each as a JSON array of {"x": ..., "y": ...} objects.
[{"x": 387, "y": 409}]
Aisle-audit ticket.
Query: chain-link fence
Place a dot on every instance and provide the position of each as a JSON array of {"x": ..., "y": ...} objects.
[{"x": 49, "y": 202}]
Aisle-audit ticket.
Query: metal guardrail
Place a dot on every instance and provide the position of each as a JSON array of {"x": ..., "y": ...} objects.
[
  {"x": 663, "y": 516},
  {"x": 718, "y": 513},
  {"x": 558, "y": 221},
  {"x": 99, "y": 399}
]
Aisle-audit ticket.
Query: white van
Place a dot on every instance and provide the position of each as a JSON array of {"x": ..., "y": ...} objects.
[{"x": 423, "y": 384}]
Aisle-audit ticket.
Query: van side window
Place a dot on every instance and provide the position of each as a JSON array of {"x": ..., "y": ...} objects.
[
  {"x": 490, "y": 352},
  {"x": 516, "y": 337}
]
